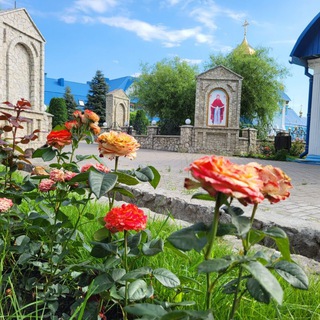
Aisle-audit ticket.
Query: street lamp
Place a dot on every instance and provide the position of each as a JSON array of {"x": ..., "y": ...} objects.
[{"x": 188, "y": 121}]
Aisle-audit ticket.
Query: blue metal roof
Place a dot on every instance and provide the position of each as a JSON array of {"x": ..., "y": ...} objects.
[
  {"x": 307, "y": 46},
  {"x": 55, "y": 88},
  {"x": 284, "y": 96}
]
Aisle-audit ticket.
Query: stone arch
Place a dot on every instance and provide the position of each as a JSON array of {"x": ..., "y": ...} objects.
[
  {"x": 21, "y": 60},
  {"x": 120, "y": 114}
]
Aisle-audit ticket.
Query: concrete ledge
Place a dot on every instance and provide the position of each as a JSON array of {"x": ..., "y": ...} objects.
[{"x": 303, "y": 241}]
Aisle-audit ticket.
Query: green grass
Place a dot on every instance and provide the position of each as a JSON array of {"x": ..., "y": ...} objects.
[{"x": 297, "y": 304}]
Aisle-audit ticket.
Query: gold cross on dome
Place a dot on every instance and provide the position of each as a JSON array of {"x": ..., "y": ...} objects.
[{"x": 245, "y": 25}]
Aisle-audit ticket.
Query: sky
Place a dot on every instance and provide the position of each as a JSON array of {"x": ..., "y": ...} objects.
[{"x": 119, "y": 36}]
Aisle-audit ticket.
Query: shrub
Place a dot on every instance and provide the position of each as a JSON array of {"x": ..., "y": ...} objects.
[
  {"x": 297, "y": 147},
  {"x": 58, "y": 109}
]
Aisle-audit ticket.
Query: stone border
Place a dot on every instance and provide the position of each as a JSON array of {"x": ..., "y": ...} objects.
[{"x": 305, "y": 242}]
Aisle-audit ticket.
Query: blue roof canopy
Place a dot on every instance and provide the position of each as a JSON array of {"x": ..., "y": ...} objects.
[{"x": 307, "y": 46}]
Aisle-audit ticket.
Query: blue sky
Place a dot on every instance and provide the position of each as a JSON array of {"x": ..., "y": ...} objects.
[{"x": 117, "y": 36}]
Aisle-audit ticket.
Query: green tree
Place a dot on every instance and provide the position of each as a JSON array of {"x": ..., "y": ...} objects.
[
  {"x": 96, "y": 98},
  {"x": 58, "y": 109},
  {"x": 167, "y": 90},
  {"x": 70, "y": 102},
  {"x": 139, "y": 121},
  {"x": 261, "y": 83}
]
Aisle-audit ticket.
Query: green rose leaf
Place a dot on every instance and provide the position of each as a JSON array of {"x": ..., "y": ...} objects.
[
  {"x": 137, "y": 289},
  {"x": 293, "y": 274},
  {"x": 144, "y": 174},
  {"x": 126, "y": 178},
  {"x": 257, "y": 291},
  {"x": 101, "y": 250},
  {"x": 266, "y": 279},
  {"x": 215, "y": 265},
  {"x": 101, "y": 183},
  {"x": 188, "y": 314},
  {"x": 101, "y": 234},
  {"x": 281, "y": 240},
  {"x": 124, "y": 192},
  {"x": 166, "y": 278},
  {"x": 156, "y": 177},
  {"x": 101, "y": 283},
  {"x": 146, "y": 309},
  {"x": 47, "y": 154},
  {"x": 241, "y": 223},
  {"x": 203, "y": 196},
  {"x": 189, "y": 238},
  {"x": 153, "y": 247},
  {"x": 137, "y": 273}
]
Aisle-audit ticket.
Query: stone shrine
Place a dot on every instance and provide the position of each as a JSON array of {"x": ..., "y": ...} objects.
[{"x": 217, "y": 110}]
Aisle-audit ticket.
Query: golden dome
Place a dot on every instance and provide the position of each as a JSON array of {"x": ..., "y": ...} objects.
[{"x": 244, "y": 45}]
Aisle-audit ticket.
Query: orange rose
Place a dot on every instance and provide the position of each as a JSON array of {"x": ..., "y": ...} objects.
[
  {"x": 113, "y": 144},
  {"x": 217, "y": 174},
  {"x": 94, "y": 128},
  {"x": 127, "y": 217},
  {"x": 71, "y": 124},
  {"x": 90, "y": 115},
  {"x": 59, "y": 139},
  {"x": 276, "y": 183}
]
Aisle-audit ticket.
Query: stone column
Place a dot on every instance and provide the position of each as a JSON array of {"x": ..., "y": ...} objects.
[
  {"x": 151, "y": 131},
  {"x": 314, "y": 133},
  {"x": 251, "y": 135},
  {"x": 186, "y": 138}
]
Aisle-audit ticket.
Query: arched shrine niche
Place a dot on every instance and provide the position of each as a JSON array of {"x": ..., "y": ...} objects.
[{"x": 217, "y": 108}]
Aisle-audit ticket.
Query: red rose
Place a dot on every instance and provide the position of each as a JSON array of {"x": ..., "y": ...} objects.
[
  {"x": 127, "y": 217},
  {"x": 59, "y": 139}
]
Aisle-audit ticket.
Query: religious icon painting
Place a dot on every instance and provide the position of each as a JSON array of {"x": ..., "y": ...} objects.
[{"x": 217, "y": 108}]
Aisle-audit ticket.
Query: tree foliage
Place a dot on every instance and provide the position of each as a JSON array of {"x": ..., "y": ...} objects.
[
  {"x": 70, "y": 102},
  {"x": 167, "y": 90},
  {"x": 96, "y": 98},
  {"x": 58, "y": 109},
  {"x": 261, "y": 83},
  {"x": 139, "y": 121}
]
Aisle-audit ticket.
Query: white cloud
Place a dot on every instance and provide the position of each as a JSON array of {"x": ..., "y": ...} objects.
[
  {"x": 208, "y": 14},
  {"x": 192, "y": 61},
  {"x": 173, "y": 2},
  {"x": 99, "y": 6},
  {"x": 149, "y": 32}
]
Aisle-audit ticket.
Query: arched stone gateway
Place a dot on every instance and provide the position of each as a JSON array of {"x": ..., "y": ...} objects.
[
  {"x": 22, "y": 68},
  {"x": 117, "y": 109}
]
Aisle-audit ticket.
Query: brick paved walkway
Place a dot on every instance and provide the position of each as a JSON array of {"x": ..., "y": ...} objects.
[{"x": 300, "y": 210}]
